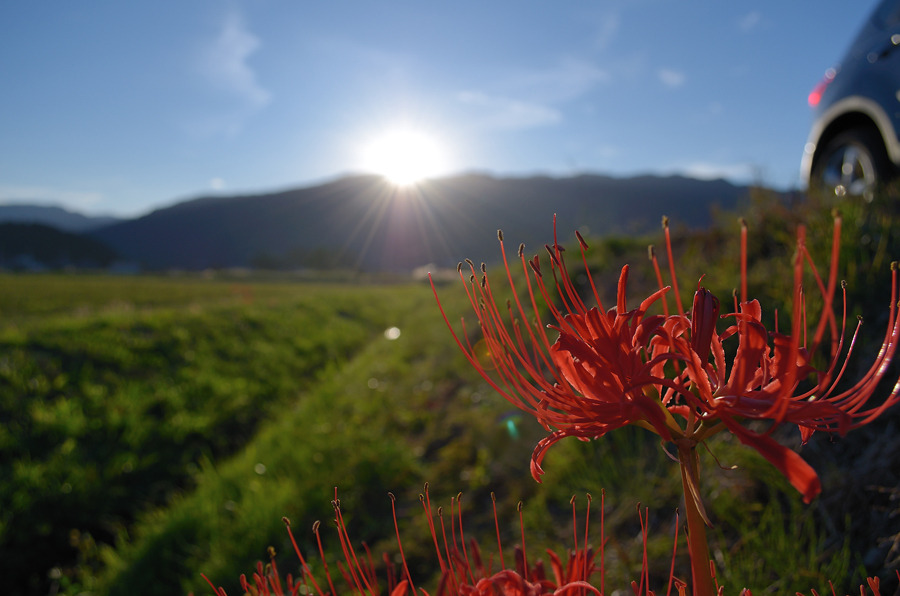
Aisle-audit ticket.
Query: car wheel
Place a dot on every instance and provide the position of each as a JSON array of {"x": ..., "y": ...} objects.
[{"x": 853, "y": 164}]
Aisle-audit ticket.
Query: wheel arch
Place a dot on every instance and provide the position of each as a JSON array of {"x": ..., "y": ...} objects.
[{"x": 849, "y": 113}]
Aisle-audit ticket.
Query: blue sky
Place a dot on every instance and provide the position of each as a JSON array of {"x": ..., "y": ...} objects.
[{"x": 122, "y": 107}]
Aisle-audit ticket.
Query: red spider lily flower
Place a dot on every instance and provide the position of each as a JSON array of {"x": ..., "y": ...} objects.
[
  {"x": 668, "y": 372},
  {"x": 461, "y": 566},
  {"x": 591, "y": 379}
]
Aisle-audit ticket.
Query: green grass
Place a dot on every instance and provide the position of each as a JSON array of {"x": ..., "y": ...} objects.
[
  {"x": 155, "y": 427},
  {"x": 110, "y": 414}
]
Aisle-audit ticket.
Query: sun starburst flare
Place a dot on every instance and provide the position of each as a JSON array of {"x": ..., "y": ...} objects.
[{"x": 405, "y": 156}]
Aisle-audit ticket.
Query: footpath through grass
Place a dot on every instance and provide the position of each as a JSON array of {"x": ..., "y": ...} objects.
[{"x": 110, "y": 405}]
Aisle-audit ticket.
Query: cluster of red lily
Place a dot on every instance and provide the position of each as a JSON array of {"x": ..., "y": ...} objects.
[
  {"x": 463, "y": 569},
  {"x": 667, "y": 372}
]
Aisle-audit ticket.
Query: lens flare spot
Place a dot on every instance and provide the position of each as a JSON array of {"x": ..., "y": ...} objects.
[{"x": 483, "y": 354}]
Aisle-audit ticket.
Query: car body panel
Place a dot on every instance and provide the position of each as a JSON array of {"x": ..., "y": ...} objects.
[{"x": 864, "y": 89}]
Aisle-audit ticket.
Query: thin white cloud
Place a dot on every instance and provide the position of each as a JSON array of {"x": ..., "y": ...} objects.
[
  {"x": 532, "y": 98},
  {"x": 569, "y": 79},
  {"x": 607, "y": 151},
  {"x": 224, "y": 61},
  {"x": 749, "y": 21},
  {"x": 49, "y": 196},
  {"x": 741, "y": 172},
  {"x": 510, "y": 114},
  {"x": 671, "y": 78},
  {"x": 383, "y": 64},
  {"x": 607, "y": 31}
]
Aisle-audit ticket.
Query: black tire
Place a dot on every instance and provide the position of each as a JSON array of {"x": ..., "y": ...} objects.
[{"x": 853, "y": 164}]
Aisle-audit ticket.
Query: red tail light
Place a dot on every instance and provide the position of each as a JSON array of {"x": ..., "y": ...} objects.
[{"x": 815, "y": 96}]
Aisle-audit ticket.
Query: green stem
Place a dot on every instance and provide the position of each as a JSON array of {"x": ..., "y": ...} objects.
[{"x": 699, "y": 550}]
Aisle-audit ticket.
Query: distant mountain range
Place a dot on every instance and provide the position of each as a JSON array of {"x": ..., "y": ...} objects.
[
  {"x": 364, "y": 222},
  {"x": 57, "y": 217}
]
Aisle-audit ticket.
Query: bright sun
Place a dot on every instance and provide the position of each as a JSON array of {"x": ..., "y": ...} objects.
[{"x": 404, "y": 156}]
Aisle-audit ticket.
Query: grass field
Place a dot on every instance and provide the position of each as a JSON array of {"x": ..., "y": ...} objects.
[{"x": 154, "y": 428}]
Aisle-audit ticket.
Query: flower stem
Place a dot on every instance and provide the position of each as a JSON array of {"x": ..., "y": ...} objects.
[{"x": 699, "y": 550}]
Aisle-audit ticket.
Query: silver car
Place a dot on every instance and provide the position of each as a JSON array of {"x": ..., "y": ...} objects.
[{"x": 853, "y": 146}]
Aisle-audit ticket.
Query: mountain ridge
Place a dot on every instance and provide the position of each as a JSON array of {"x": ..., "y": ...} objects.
[
  {"x": 365, "y": 222},
  {"x": 53, "y": 215}
]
